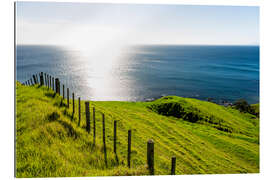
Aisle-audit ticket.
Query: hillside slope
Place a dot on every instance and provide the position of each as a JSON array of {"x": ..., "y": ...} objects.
[{"x": 50, "y": 143}]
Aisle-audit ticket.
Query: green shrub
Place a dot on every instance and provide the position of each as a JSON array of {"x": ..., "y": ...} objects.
[
  {"x": 176, "y": 110},
  {"x": 242, "y": 105}
]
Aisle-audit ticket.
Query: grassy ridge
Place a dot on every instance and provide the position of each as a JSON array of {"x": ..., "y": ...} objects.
[{"x": 50, "y": 143}]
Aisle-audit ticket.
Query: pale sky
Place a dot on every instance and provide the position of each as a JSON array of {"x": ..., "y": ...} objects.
[{"x": 90, "y": 24}]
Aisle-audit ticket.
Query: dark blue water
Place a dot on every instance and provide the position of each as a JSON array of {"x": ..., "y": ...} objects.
[{"x": 138, "y": 73}]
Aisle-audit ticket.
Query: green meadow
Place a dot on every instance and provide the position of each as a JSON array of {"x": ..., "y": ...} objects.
[{"x": 205, "y": 138}]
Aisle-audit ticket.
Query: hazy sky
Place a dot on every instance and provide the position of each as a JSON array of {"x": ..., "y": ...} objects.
[{"x": 82, "y": 24}]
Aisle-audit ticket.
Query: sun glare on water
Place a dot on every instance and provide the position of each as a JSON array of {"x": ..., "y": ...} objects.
[{"x": 101, "y": 49}]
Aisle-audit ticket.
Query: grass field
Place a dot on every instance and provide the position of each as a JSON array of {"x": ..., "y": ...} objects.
[{"x": 206, "y": 138}]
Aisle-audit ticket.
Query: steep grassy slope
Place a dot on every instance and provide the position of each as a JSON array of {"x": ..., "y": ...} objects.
[{"x": 49, "y": 141}]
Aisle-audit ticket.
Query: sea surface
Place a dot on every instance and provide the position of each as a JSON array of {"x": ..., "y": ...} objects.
[{"x": 146, "y": 72}]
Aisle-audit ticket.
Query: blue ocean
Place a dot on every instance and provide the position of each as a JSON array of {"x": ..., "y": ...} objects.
[{"x": 147, "y": 72}]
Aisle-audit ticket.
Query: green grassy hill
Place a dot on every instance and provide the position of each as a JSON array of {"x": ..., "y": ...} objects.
[{"x": 205, "y": 138}]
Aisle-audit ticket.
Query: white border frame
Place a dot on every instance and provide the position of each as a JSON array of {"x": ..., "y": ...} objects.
[{"x": 7, "y": 85}]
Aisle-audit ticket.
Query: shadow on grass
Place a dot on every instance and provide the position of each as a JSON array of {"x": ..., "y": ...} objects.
[
  {"x": 53, "y": 116},
  {"x": 70, "y": 129},
  {"x": 50, "y": 94}
]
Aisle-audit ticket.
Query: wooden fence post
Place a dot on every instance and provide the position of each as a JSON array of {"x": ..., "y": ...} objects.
[
  {"x": 114, "y": 135},
  {"x": 31, "y": 82},
  {"x": 50, "y": 81},
  {"x": 94, "y": 125},
  {"x": 68, "y": 97},
  {"x": 41, "y": 78},
  {"x": 173, "y": 165},
  {"x": 48, "y": 85},
  {"x": 57, "y": 86},
  {"x": 79, "y": 111},
  {"x": 73, "y": 104},
  {"x": 150, "y": 156},
  {"x": 63, "y": 92},
  {"x": 59, "y": 92},
  {"x": 104, "y": 139},
  {"x": 35, "y": 82},
  {"x": 87, "y": 114},
  {"x": 53, "y": 83},
  {"x": 45, "y": 78},
  {"x": 56, "y": 83},
  {"x": 129, "y": 147},
  {"x": 36, "y": 78}
]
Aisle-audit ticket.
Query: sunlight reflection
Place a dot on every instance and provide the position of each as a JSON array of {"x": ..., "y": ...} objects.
[{"x": 100, "y": 50}]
